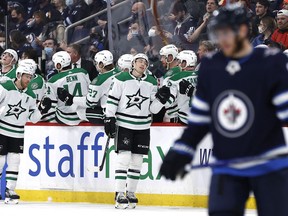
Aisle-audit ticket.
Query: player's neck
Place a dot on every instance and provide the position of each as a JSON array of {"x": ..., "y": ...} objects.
[
  {"x": 246, "y": 50},
  {"x": 18, "y": 84}
]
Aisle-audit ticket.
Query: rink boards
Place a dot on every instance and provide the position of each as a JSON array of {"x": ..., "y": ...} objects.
[{"x": 60, "y": 163}]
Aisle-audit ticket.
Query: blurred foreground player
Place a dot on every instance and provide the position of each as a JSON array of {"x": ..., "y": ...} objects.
[
  {"x": 132, "y": 99},
  {"x": 244, "y": 107}
]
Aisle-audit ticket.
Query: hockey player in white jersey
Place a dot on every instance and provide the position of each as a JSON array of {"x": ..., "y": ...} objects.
[
  {"x": 183, "y": 84},
  {"x": 169, "y": 60},
  {"x": 18, "y": 105},
  {"x": 9, "y": 59},
  {"x": 75, "y": 81},
  {"x": 124, "y": 63},
  {"x": 96, "y": 98},
  {"x": 132, "y": 100}
]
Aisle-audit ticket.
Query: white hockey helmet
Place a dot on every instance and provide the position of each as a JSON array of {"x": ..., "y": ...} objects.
[
  {"x": 141, "y": 55},
  {"x": 286, "y": 52},
  {"x": 13, "y": 53},
  {"x": 25, "y": 69},
  {"x": 105, "y": 57},
  {"x": 189, "y": 56},
  {"x": 125, "y": 62},
  {"x": 61, "y": 60},
  {"x": 29, "y": 63},
  {"x": 169, "y": 49}
]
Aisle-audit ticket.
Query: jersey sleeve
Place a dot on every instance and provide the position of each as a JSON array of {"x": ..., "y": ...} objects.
[
  {"x": 199, "y": 118},
  {"x": 155, "y": 105},
  {"x": 279, "y": 85},
  {"x": 114, "y": 97}
]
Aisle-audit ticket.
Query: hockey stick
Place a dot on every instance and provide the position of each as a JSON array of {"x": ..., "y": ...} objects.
[
  {"x": 239, "y": 162},
  {"x": 100, "y": 168}
]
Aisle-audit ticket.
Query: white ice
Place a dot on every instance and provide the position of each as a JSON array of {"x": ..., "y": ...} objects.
[{"x": 83, "y": 209}]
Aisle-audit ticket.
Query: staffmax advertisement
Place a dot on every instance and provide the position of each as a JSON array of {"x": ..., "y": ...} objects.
[{"x": 66, "y": 158}]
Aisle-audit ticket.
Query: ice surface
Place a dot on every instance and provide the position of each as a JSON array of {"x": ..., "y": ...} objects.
[{"x": 67, "y": 209}]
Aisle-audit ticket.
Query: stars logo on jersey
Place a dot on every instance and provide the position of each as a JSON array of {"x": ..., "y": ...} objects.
[
  {"x": 233, "y": 113},
  {"x": 15, "y": 110},
  {"x": 136, "y": 100},
  {"x": 233, "y": 67}
]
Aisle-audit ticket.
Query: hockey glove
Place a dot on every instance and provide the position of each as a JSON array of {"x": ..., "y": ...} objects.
[
  {"x": 186, "y": 88},
  {"x": 110, "y": 126},
  {"x": 163, "y": 94},
  {"x": 175, "y": 161},
  {"x": 44, "y": 105},
  {"x": 65, "y": 96}
]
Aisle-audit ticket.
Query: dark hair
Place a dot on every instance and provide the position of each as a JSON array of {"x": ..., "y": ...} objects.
[
  {"x": 31, "y": 54},
  {"x": 17, "y": 38},
  {"x": 76, "y": 47},
  {"x": 19, "y": 10},
  {"x": 269, "y": 22},
  {"x": 54, "y": 41},
  {"x": 179, "y": 6},
  {"x": 265, "y": 3}
]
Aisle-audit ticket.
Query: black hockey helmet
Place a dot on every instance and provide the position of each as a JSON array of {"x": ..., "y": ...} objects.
[{"x": 231, "y": 16}]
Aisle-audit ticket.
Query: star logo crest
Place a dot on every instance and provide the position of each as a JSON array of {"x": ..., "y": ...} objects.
[
  {"x": 136, "y": 100},
  {"x": 15, "y": 110}
]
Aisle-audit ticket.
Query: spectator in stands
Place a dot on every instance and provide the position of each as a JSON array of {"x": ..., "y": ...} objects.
[
  {"x": 78, "y": 10},
  {"x": 285, "y": 5},
  {"x": 74, "y": 51},
  {"x": 50, "y": 48},
  {"x": 2, "y": 42},
  {"x": 18, "y": 42},
  {"x": 49, "y": 10},
  {"x": 36, "y": 23},
  {"x": 205, "y": 47},
  {"x": 261, "y": 10},
  {"x": 266, "y": 28},
  {"x": 138, "y": 36},
  {"x": 61, "y": 6},
  {"x": 139, "y": 15},
  {"x": 18, "y": 19},
  {"x": 280, "y": 35},
  {"x": 184, "y": 25}
]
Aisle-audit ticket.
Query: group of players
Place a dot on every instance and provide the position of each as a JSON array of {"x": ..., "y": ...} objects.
[{"x": 124, "y": 96}]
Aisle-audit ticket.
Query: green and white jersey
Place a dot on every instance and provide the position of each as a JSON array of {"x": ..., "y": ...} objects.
[
  {"x": 183, "y": 101},
  {"x": 38, "y": 86},
  {"x": 16, "y": 108},
  {"x": 171, "y": 107},
  {"x": 76, "y": 81},
  {"x": 98, "y": 90},
  {"x": 10, "y": 75},
  {"x": 132, "y": 101}
]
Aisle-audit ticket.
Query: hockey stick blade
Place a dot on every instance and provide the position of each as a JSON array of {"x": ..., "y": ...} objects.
[{"x": 235, "y": 162}]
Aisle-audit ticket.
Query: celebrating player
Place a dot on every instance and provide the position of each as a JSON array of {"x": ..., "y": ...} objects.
[
  {"x": 8, "y": 61},
  {"x": 130, "y": 104},
  {"x": 124, "y": 63},
  {"x": 18, "y": 105},
  {"x": 244, "y": 107},
  {"x": 75, "y": 81},
  {"x": 184, "y": 83},
  {"x": 98, "y": 89}
]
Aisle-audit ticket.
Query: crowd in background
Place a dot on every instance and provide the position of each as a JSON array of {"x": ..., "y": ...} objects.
[{"x": 36, "y": 29}]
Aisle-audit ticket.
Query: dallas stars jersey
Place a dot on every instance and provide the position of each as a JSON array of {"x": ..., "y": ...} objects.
[
  {"x": 11, "y": 74},
  {"x": 130, "y": 100},
  {"x": 76, "y": 81},
  {"x": 98, "y": 90},
  {"x": 38, "y": 86},
  {"x": 182, "y": 100},
  {"x": 171, "y": 107},
  {"x": 17, "y": 107},
  {"x": 244, "y": 108}
]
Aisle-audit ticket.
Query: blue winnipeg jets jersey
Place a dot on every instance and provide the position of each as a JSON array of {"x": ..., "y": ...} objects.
[{"x": 243, "y": 103}]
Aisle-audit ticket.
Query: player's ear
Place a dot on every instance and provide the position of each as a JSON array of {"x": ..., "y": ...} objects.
[
  {"x": 169, "y": 58},
  {"x": 101, "y": 65}
]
